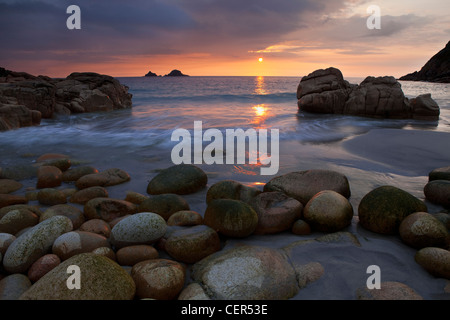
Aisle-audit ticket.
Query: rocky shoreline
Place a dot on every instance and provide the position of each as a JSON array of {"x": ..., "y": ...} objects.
[
  {"x": 151, "y": 245},
  {"x": 326, "y": 91},
  {"x": 25, "y": 99}
]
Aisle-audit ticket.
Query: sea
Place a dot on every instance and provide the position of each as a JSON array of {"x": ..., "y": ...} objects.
[{"x": 139, "y": 140}]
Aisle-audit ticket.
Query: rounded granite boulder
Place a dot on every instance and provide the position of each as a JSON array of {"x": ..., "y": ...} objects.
[
  {"x": 164, "y": 204},
  {"x": 328, "y": 211},
  {"x": 276, "y": 212},
  {"x": 421, "y": 229},
  {"x": 100, "y": 279},
  {"x": 76, "y": 242},
  {"x": 139, "y": 228},
  {"x": 159, "y": 279},
  {"x": 34, "y": 243},
  {"x": 191, "y": 244},
  {"x": 179, "y": 179},
  {"x": 108, "y": 209},
  {"x": 232, "y": 218},
  {"x": 439, "y": 174},
  {"x": 435, "y": 260},
  {"x": 384, "y": 208},
  {"x": 247, "y": 273},
  {"x": 230, "y": 189},
  {"x": 438, "y": 192},
  {"x": 303, "y": 185},
  {"x": 185, "y": 218}
]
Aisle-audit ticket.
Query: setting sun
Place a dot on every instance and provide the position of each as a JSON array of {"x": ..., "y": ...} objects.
[{"x": 260, "y": 59}]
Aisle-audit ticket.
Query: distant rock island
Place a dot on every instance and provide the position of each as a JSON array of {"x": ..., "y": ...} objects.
[
  {"x": 326, "y": 91},
  {"x": 151, "y": 74},
  {"x": 437, "y": 69},
  {"x": 173, "y": 73}
]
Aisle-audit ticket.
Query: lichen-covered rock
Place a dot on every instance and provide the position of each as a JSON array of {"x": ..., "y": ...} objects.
[
  {"x": 328, "y": 211},
  {"x": 139, "y": 228},
  {"x": 384, "y": 208},
  {"x": 34, "y": 243},
  {"x": 16, "y": 220},
  {"x": 435, "y": 260},
  {"x": 164, "y": 204},
  {"x": 232, "y": 218},
  {"x": 73, "y": 213},
  {"x": 421, "y": 229},
  {"x": 100, "y": 279},
  {"x": 247, "y": 273},
  {"x": 179, "y": 179},
  {"x": 160, "y": 279},
  {"x": 192, "y": 244}
]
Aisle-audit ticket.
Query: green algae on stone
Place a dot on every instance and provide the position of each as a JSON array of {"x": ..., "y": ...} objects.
[{"x": 100, "y": 279}]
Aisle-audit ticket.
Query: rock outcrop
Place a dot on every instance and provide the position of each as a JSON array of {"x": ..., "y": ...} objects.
[
  {"x": 26, "y": 99},
  {"x": 437, "y": 69},
  {"x": 151, "y": 74},
  {"x": 326, "y": 91},
  {"x": 176, "y": 73}
]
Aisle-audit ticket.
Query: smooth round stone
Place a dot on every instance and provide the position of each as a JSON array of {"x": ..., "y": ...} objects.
[
  {"x": 108, "y": 209},
  {"x": 179, "y": 179},
  {"x": 328, "y": 211},
  {"x": 35, "y": 209},
  {"x": 435, "y": 260},
  {"x": 304, "y": 185},
  {"x": 232, "y": 218},
  {"x": 5, "y": 240},
  {"x": 9, "y": 186},
  {"x": 276, "y": 212},
  {"x": 301, "y": 228},
  {"x": 83, "y": 196},
  {"x": 139, "y": 228},
  {"x": 51, "y": 197},
  {"x": 159, "y": 279},
  {"x": 7, "y": 200},
  {"x": 421, "y": 229},
  {"x": 97, "y": 226},
  {"x": 164, "y": 204},
  {"x": 230, "y": 189},
  {"x": 384, "y": 208},
  {"x": 73, "y": 213},
  {"x": 135, "y": 197},
  {"x": 192, "y": 244},
  {"x": 48, "y": 177},
  {"x": 42, "y": 266},
  {"x": 76, "y": 242},
  {"x": 34, "y": 243},
  {"x": 51, "y": 156},
  {"x": 100, "y": 279},
  {"x": 438, "y": 192},
  {"x": 185, "y": 218},
  {"x": 16, "y": 220},
  {"x": 110, "y": 177},
  {"x": 76, "y": 173},
  {"x": 129, "y": 256},
  {"x": 247, "y": 273},
  {"x": 61, "y": 164},
  {"x": 13, "y": 286},
  {"x": 439, "y": 174},
  {"x": 390, "y": 290}
]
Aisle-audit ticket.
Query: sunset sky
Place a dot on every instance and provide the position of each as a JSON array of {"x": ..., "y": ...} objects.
[{"x": 221, "y": 37}]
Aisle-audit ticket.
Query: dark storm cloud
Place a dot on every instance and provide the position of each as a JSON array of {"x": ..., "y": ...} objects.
[{"x": 139, "y": 27}]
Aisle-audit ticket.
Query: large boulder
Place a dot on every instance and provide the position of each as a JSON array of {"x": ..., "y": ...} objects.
[
  {"x": 179, "y": 179},
  {"x": 383, "y": 209},
  {"x": 34, "y": 243},
  {"x": 247, "y": 273},
  {"x": 100, "y": 279},
  {"x": 304, "y": 185},
  {"x": 326, "y": 91}
]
